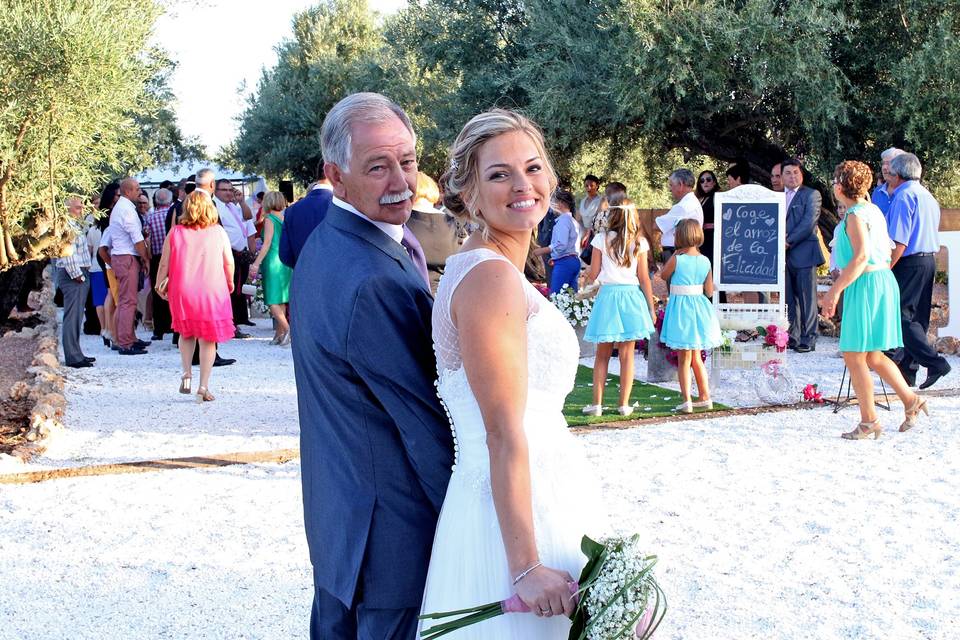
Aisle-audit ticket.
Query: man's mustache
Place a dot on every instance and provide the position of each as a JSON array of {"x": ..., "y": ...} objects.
[{"x": 394, "y": 198}]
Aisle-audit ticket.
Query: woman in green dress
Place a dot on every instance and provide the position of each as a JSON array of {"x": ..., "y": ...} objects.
[
  {"x": 871, "y": 306},
  {"x": 276, "y": 275}
]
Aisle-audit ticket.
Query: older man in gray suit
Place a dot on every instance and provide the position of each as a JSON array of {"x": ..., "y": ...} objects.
[{"x": 803, "y": 257}]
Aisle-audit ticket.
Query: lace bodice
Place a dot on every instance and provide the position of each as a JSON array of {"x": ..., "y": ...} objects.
[
  {"x": 553, "y": 354},
  {"x": 553, "y": 350}
]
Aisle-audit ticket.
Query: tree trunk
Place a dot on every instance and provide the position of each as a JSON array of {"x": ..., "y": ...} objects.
[{"x": 11, "y": 281}]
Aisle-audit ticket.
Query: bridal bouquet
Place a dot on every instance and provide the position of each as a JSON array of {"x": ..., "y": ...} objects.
[{"x": 618, "y": 597}]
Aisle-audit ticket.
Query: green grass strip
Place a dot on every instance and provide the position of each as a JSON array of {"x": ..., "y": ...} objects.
[{"x": 655, "y": 401}]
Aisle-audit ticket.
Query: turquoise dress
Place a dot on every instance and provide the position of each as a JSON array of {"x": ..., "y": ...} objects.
[
  {"x": 871, "y": 303},
  {"x": 689, "y": 321},
  {"x": 276, "y": 275}
]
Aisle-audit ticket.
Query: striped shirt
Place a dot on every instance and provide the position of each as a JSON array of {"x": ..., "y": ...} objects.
[{"x": 80, "y": 258}]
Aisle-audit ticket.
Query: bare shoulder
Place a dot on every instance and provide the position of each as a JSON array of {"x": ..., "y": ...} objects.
[{"x": 492, "y": 289}]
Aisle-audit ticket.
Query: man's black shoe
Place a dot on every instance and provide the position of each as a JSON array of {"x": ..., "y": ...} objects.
[
  {"x": 89, "y": 359},
  {"x": 802, "y": 348},
  {"x": 156, "y": 338},
  {"x": 80, "y": 365},
  {"x": 248, "y": 323},
  {"x": 131, "y": 351},
  {"x": 142, "y": 344},
  {"x": 933, "y": 377},
  {"x": 240, "y": 335},
  {"x": 223, "y": 362}
]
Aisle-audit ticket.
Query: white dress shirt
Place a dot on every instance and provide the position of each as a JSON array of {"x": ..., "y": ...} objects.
[
  {"x": 688, "y": 207},
  {"x": 395, "y": 231},
  {"x": 127, "y": 230},
  {"x": 238, "y": 229}
]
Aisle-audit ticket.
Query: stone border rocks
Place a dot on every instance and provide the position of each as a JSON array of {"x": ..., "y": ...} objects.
[{"x": 45, "y": 388}]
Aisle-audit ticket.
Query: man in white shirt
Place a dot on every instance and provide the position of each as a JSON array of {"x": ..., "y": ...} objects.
[
  {"x": 237, "y": 221},
  {"x": 681, "y": 183},
  {"x": 128, "y": 259}
]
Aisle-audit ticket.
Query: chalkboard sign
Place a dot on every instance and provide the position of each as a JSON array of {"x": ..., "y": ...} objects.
[{"x": 749, "y": 239}]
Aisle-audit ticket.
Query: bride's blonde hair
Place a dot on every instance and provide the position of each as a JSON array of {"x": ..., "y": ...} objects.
[{"x": 460, "y": 192}]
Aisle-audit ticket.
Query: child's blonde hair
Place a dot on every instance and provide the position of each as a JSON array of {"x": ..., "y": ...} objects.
[
  {"x": 688, "y": 234},
  {"x": 622, "y": 219}
]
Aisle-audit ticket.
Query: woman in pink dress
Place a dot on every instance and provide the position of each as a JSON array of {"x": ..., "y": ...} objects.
[{"x": 196, "y": 276}]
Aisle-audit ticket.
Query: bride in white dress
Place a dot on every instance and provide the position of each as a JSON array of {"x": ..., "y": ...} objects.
[{"x": 521, "y": 495}]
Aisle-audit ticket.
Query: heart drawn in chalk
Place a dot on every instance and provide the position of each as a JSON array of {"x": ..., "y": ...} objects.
[
  {"x": 769, "y": 221},
  {"x": 728, "y": 215}
]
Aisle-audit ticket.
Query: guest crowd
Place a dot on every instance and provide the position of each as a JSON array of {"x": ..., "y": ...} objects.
[{"x": 180, "y": 261}]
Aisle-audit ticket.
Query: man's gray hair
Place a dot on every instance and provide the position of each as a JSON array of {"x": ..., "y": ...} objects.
[
  {"x": 891, "y": 153},
  {"x": 684, "y": 177},
  {"x": 336, "y": 135},
  {"x": 163, "y": 197},
  {"x": 205, "y": 176},
  {"x": 907, "y": 166}
]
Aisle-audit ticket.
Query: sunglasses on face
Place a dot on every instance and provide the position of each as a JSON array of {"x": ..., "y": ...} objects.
[{"x": 706, "y": 180}]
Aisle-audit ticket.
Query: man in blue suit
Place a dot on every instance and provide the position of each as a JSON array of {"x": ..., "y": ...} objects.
[
  {"x": 375, "y": 443},
  {"x": 803, "y": 257},
  {"x": 302, "y": 217}
]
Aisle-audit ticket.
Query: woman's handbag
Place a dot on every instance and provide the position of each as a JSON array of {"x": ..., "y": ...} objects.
[{"x": 162, "y": 287}]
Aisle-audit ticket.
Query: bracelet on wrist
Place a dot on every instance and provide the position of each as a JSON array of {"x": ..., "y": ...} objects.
[{"x": 526, "y": 572}]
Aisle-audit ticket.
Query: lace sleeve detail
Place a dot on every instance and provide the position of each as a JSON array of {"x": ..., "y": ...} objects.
[{"x": 446, "y": 339}]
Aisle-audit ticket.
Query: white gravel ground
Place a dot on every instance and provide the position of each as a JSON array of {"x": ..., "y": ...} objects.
[{"x": 766, "y": 526}]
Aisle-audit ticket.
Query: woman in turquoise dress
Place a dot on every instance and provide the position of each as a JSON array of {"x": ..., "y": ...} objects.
[
  {"x": 871, "y": 306},
  {"x": 276, "y": 275},
  {"x": 690, "y": 324}
]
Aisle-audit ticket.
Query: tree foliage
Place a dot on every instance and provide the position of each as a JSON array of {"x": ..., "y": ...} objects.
[
  {"x": 823, "y": 79},
  {"x": 80, "y": 95},
  {"x": 326, "y": 58}
]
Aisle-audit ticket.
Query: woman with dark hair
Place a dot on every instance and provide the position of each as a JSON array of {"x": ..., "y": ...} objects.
[
  {"x": 707, "y": 187},
  {"x": 871, "y": 318}
]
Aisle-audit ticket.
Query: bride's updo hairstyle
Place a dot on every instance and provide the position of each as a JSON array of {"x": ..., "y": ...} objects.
[{"x": 461, "y": 179}]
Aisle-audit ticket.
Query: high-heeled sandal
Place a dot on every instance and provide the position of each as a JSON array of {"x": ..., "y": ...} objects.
[
  {"x": 185, "y": 382},
  {"x": 203, "y": 395},
  {"x": 911, "y": 414},
  {"x": 863, "y": 431}
]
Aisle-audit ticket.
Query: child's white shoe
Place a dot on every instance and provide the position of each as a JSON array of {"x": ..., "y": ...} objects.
[
  {"x": 703, "y": 404},
  {"x": 593, "y": 410},
  {"x": 684, "y": 407},
  {"x": 625, "y": 410}
]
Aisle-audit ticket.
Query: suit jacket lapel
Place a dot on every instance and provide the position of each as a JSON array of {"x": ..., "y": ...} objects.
[{"x": 356, "y": 226}]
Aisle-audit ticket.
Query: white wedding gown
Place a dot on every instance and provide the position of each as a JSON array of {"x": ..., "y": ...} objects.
[{"x": 468, "y": 566}]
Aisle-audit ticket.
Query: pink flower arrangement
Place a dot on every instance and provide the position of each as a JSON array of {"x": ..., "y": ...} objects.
[
  {"x": 543, "y": 289},
  {"x": 811, "y": 394},
  {"x": 774, "y": 336}
]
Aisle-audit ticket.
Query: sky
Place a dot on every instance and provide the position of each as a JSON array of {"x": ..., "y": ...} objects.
[{"x": 220, "y": 47}]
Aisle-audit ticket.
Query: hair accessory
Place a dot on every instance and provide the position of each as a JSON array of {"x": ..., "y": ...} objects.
[{"x": 454, "y": 165}]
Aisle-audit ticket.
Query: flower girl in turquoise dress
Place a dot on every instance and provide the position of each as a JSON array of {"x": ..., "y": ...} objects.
[
  {"x": 623, "y": 311},
  {"x": 690, "y": 324}
]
